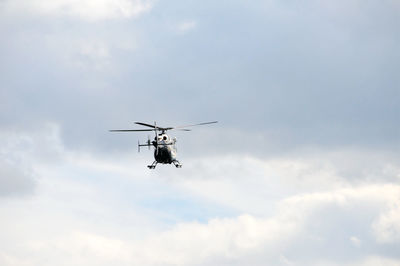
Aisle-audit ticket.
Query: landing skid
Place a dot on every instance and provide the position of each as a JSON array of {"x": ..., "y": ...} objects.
[
  {"x": 177, "y": 164},
  {"x": 153, "y": 165}
]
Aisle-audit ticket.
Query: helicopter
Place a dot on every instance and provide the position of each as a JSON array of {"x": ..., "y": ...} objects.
[{"x": 164, "y": 146}]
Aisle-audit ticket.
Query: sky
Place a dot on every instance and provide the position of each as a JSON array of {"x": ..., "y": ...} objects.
[{"x": 302, "y": 169}]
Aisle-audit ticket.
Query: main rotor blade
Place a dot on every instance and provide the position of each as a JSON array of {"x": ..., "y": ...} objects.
[
  {"x": 200, "y": 124},
  {"x": 156, "y": 128},
  {"x": 146, "y": 125},
  {"x": 130, "y": 130}
]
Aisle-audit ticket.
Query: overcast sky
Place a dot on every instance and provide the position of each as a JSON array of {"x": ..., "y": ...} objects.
[{"x": 302, "y": 169}]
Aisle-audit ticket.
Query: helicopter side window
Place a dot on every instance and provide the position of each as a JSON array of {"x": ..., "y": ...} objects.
[{"x": 165, "y": 138}]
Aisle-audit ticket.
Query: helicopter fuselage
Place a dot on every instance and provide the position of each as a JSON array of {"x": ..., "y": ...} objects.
[{"x": 165, "y": 149}]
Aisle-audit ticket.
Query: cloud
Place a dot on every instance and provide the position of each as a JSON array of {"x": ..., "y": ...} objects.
[
  {"x": 303, "y": 168},
  {"x": 241, "y": 181},
  {"x": 88, "y": 10},
  {"x": 20, "y": 153},
  {"x": 90, "y": 55},
  {"x": 300, "y": 83},
  {"x": 229, "y": 239},
  {"x": 186, "y": 26},
  {"x": 15, "y": 180},
  {"x": 387, "y": 226},
  {"x": 355, "y": 241},
  {"x": 372, "y": 260},
  {"x": 93, "y": 209},
  {"x": 287, "y": 236}
]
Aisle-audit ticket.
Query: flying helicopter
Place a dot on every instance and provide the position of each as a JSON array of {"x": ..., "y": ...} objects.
[{"x": 164, "y": 146}]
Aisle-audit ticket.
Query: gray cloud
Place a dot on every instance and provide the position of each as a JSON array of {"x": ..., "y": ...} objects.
[
  {"x": 312, "y": 75},
  {"x": 302, "y": 168},
  {"x": 21, "y": 152},
  {"x": 15, "y": 181}
]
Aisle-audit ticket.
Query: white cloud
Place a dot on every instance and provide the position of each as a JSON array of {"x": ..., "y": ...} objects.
[
  {"x": 247, "y": 235},
  {"x": 90, "y": 209},
  {"x": 15, "y": 179},
  {"x": 230, "y": 238},
  {"x": 372, "y": 260},
  {"x": 187, "y": 243},
  {"x": 387, "y": 226},
  {"x": 186, "y": 26},
  {"x": 90, "y": 55},
  {"x": 376, "y": 260},
  {"x": 89, "y": 10},
  {"x": 355, "y": 241},
  {"x": 240, "y": 182}
]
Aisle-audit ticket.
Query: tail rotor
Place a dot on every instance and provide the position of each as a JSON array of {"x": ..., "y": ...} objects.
[{"x": 148, "y": 143}]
